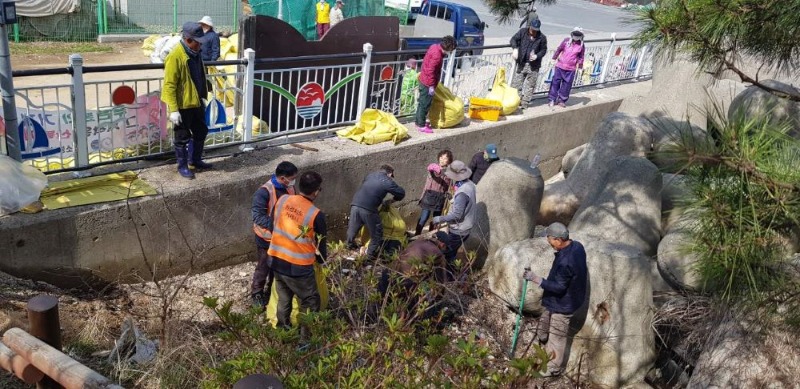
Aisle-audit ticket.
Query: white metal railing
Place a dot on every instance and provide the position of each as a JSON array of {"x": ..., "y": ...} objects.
[{"x": 76, "y": 125}]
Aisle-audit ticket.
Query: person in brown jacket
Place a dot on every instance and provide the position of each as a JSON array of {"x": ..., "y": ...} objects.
[{"x": 421, "y": 260}]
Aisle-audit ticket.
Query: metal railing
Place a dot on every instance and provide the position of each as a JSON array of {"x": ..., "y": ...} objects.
[{"x": 76, "y": 125}]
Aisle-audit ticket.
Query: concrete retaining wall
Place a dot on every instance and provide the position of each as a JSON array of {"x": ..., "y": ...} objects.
[{"x": 205, "y": 223}]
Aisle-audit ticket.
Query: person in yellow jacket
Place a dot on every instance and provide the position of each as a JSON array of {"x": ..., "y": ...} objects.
[
  {"x": 298, "y": 240},
  {"x": 323, "y": 18},
  {"x": 183, "y": 92}
]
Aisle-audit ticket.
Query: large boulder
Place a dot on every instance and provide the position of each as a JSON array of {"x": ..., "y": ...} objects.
[
  {"x": 736, "y": 356},
  {"x": 676, "y": 262},
  {"x": 625, "y": 206},
  {"x": 674, "y": 192},
  {"x": 614, "y": 345},
  {"x": 571, "y": 158},
  {"x": 616, "y": 340},
  {"x": 504, "y": 273},
  {"x": 509, "y": 195},
  {"x": 754, "y": 102},
  {"x": 617, "y": 135}
]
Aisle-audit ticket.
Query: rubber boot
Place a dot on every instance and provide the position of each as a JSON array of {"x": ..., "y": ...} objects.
[
  {"x": 260, "y": 300},
  {"x": 181, "y": 154},
  {"x": 196, "y": 154},
  {"x": 418, "y": 230}
]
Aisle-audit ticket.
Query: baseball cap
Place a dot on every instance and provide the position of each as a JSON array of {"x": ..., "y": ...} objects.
[
  {"x": 194, "y": 31},
  {"x": 536, "y": 24},
  {"x": 491, "y": 150},
  {"x": 557, "y": 230}
]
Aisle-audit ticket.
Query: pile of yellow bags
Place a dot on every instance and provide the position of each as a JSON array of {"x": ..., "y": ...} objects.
[
  {"x": 394, "y": 227},
  {"x": 447, "y": 109},
  {"x": 272, "y": 307},
  {"x": 374, "y": 127},
  {"x": 505, "y": 94}
]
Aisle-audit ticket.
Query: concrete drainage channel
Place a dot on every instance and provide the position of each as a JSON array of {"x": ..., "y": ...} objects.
[{"x": 205, "y": 224}]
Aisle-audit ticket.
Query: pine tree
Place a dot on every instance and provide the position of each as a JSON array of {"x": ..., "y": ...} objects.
[
  {"x": 720, "y": 35},
  {"x": 508, "y": 10}
]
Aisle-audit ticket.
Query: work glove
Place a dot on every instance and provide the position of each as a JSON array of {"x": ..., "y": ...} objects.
[
  {"x": 434, "y": 168},
  {"x": 531, "y": 276},
  {"x": 436, "y": 220},
  {"x": 534, "y": 56},
  {"x": 175, "y": 118},
  {"x": 431, "y": 89},
  {"x": 515, "y": 54}
]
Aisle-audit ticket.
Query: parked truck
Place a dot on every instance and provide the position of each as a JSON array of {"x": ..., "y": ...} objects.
[{"x": 439, "y": 18}]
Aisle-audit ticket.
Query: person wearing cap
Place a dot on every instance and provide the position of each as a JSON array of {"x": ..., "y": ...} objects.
[
  {"x": 210, "y": 49},
  {"x": 564, "y": 293},
  {"x": 461, "y": 217},
  {"x": 529, "y": 46},
  {"x": 364, "y": 208},
  {"x": 336, "y": 13},
  {"x": 569, "y": 59},
  {"x": 323, "y": 18},
  {"x": 183, "y": 92},
  {"x": 481, "y": 161}
]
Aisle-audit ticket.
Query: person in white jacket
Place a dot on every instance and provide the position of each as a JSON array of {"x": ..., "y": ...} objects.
[{"x": 336, "y": 13}]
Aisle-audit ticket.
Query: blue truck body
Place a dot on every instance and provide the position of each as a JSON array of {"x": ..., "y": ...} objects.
[{"x": 467, "y": 27}]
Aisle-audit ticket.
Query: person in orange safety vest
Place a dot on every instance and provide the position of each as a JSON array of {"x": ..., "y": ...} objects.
[
  {"x": 264, "y": 200},
  {"x": 298, "y": 240}
]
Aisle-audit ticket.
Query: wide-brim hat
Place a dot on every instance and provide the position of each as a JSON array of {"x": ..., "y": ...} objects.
[
  {"x": 207, "y": 21},
  {"x": 458, "y": 171}
]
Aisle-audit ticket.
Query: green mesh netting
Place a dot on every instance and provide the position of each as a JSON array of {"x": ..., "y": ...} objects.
[
  {"x": 79, "y": 26},
  {"x": 301, "y": 14}
]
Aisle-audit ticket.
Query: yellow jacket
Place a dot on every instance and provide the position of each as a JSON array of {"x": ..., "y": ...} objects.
[
  {"x": 323, "y": 12},
  {"x": 178, "y": 90}
]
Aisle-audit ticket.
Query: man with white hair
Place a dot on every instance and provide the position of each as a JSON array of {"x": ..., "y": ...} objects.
[{"x": 564, "y": 293}]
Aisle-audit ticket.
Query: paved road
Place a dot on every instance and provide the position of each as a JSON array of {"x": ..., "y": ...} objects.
[{"x": 598, "y": 21}]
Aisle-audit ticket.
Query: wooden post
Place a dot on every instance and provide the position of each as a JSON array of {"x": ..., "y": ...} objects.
[
  {"x": 45, "y": 325},
  {"x": 9, "y": 360},
  {"x": 57, "y": 365}
]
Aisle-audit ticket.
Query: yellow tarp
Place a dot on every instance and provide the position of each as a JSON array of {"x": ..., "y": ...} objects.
[
  {"x": 374, "y": 127},
  {"x": 505, "y": 94},
  {"x": 447, "y": 109},
  {"x": 394, "y": 227},
  {"x": 272, "y": 307},
  {"x": 93, "y": 190}
]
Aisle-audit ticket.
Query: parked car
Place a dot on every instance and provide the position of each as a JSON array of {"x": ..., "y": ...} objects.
[{"x": 439, "y": 18}]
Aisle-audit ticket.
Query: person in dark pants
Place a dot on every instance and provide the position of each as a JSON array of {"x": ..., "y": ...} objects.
[
  {"x": 209, "y": 50},
  {"x": 461, "y": 217},
  {"x": 183, "y": 92},
  {"x": 364, "y": 208},
  {"x": 264, "y": 200},
  {"x": 564, "y": 293},
  {"x": 429, "y": 78},
  {"x": 298, "y": 240},
  {"x": 434, "y": 194},
  {"x": 481, "y": 161},
  {"x": 529, "y": 48}
]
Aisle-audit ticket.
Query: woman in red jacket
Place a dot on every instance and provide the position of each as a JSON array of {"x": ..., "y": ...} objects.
[{"x": 429, "y": 78}]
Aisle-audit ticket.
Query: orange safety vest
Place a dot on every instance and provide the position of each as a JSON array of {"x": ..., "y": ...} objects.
[
  {"x": 262, "y": 232},
  {"x": 291, "y": 212}
]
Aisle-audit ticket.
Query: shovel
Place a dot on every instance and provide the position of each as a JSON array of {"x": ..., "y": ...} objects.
[{"x": 519, "y": 316}]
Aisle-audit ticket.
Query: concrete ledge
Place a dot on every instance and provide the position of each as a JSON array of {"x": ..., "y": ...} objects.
[{"x": 205, "y": 223}]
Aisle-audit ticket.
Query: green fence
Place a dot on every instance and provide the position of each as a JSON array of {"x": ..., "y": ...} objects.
[
  {"x": 301, "y": 14},
  {"x": 126, "y": 17}
]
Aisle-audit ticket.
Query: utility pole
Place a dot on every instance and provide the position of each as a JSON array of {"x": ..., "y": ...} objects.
[{"x": 8, "y": 15}]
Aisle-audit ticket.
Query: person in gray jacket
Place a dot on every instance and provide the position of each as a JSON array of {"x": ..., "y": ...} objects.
[
  {"x": 364, "y": 208},
  {"x": 461, "y": 217}
]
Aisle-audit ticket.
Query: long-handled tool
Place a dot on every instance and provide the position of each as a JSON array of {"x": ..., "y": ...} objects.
[{"x": 519, "y": 315}]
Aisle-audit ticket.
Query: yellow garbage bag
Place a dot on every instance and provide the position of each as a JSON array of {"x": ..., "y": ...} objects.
[
  {"x": 260, "y": 127},
  {"x": 224, "y": 86},
  {"x": 149, "y": 44},
  {"x": 504, "y": 93},
  {"x": 447, "y": 109},
  {"x": 322, "y": 286},
  {"x": 234, "y": 41},
  {"x": 225, "y": 47},
  {"x": 394, "y": 227},
  {"x": 374, "y": 127},
  {"x": 94, "y": 190}
]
